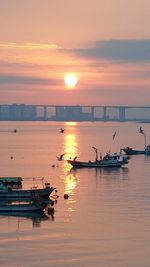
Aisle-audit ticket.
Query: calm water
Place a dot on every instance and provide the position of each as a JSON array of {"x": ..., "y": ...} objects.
[{"x": 106, "y": 220}]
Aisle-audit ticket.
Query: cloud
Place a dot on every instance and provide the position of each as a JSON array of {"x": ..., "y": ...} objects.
[
  {"x": 31, "y": 46},
  {"x": 116, "y": 50},
  {"x": 9, "y": 79}
]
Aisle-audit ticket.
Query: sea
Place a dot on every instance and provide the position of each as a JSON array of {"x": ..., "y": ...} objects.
[{"x": 105, "y": 221}]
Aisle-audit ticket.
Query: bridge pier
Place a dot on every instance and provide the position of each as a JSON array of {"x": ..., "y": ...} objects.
[
  {"x": 92, "y": 113},
  {"x": 122, "y": 115},
  {"x": 45, "y": 113},
  {"x": 104, "y": 113}
]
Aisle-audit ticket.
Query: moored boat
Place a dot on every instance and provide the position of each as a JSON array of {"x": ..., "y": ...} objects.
[
  {"x": 131, "y": 151},
  {"x": 110, "y": 160},
  {"x": 8, "y": 192}
]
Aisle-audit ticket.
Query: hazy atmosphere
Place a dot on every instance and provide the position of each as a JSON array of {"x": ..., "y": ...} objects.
[
  {"x": 104, "y": 44},
  {"x": 74, "y": 133}
]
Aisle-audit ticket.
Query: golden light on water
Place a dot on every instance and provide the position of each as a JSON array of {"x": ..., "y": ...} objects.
[
  {"x": 70, "y": 183},
  {"x": 71, "y": 150}
]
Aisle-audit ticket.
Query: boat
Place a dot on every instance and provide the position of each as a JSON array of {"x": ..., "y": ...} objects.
[
  {"x": 11, "y": 193},
  {"x": 109, "y": 160},
  {"x": 34, "y": 206},
  {"x": 131, "y": 151}
]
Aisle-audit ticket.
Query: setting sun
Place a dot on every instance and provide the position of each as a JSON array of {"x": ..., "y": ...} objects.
[{"x": 71, "y": 80}]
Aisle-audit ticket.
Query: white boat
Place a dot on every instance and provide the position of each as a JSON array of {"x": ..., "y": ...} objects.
[
  {"x": 110, "y": 160},
  {"x": 22, "y": 207}
]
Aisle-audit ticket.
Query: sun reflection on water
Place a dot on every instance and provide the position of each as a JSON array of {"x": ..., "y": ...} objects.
[
  {"x": 70, "y": 183},
  {"x": 71, "y": 150}
]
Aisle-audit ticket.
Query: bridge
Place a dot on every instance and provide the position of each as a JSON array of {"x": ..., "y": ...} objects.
[{"x": 22, "y": 112}]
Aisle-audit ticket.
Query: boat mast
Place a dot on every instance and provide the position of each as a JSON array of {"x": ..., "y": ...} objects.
[
  {"x": 145, "y": 140},
  {"x": 96, "y": 152}
]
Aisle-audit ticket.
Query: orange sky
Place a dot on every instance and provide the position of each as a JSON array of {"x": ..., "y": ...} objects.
[{"x": 106, "y": 44}]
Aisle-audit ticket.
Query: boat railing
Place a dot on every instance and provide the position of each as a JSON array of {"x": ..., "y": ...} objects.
[{"x": 45, "y": 183}]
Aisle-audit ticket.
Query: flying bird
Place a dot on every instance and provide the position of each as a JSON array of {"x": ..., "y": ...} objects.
[
  {"x": 60, "y": 158},
  {"x": 141, "y": 130},
  {"x": 62, "y": 130},
  {"x": 114, "y": 135}
]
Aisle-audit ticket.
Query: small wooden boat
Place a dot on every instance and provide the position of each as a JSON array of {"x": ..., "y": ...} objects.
[
  {"x": 8, "y": 192},
  {"x": 110, "y": 160},
  {"x": 131, "y": 151},
  {"x": 22, "y": 207}
]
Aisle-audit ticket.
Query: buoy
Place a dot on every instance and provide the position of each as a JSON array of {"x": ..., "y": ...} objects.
[
  {"x": 66, "y": 196},
  {"x": 53, "y": 166}
]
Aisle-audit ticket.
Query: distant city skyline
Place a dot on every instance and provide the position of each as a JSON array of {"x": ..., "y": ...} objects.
[{"x": 105, "y": 44}]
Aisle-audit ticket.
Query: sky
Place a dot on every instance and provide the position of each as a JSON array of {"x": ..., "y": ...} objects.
[{"x": 106, "y": 44}]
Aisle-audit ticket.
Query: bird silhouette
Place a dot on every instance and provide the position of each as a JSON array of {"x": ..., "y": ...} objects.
[
  {"x": 60, "y": 158},
  {"x": 141, "y": 130},
  {"x": 62, "y": 130}
]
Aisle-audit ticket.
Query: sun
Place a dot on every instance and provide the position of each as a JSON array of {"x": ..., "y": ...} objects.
[{"x": 71, "y": 80}]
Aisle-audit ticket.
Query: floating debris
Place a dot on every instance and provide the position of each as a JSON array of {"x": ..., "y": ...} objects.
[
  {"x": 53, "y": 165},
  {"x": 66, "y": 196}
]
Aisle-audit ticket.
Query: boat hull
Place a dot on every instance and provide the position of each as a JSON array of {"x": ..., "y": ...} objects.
[
  {"x": 43, "y": 193},
  {"x": 130, "y": 152},
  {"x": 104, "y": 164}
]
